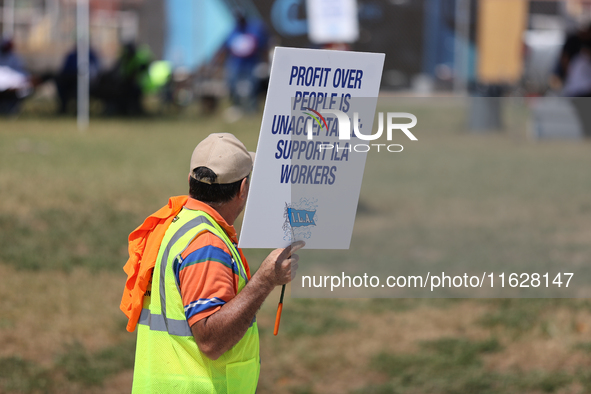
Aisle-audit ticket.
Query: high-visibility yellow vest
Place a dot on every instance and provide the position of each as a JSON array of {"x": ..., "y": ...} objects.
[{"x": 167, "y": 358}]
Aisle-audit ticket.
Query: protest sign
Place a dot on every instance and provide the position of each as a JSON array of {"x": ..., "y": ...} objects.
[{"x": 305, "y": 186}]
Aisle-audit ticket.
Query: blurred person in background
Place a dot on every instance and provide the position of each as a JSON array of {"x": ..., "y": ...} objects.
[
  {"x": 577, "y": 85},
  {"x": 67, "y": 80},
  {"x": 570, "y": 49},
  {"x": 577, "y": 82},
  {"x": 133, "y": 68},
  {"x": 8, "y": 58},
  {"x": 244, "y": 50},
  {"x": 122, "y": 88},
  {"x": 14, "y": 78}
]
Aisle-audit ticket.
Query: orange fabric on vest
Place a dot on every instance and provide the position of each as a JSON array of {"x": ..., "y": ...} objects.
[{"x": 144, "y": 243}]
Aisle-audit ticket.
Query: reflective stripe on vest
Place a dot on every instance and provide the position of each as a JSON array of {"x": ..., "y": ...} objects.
[
  {"x": 175, "y": 327},
  {"x": 167, "y": 357},
  {"x": 186, "y": 330}
]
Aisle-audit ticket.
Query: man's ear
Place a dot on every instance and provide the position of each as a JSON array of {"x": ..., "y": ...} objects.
[{"x": 244, "y": 188}]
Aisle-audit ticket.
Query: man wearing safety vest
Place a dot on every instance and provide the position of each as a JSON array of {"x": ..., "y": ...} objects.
[{"x": 189, "y": 286}]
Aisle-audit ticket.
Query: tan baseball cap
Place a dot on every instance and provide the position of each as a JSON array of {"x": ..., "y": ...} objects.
[{"x": 225, "y": 155}]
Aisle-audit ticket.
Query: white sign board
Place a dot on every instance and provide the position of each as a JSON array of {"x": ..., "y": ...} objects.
[
  {"x": 307, "y": 186},
  {"x": 332, "y": 21}
]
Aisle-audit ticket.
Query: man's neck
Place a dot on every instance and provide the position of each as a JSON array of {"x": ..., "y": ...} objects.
[{"x": 226, "y": 211}]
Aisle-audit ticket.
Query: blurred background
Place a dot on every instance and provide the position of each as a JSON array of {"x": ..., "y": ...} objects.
[
  {"x": 103, "y": 101},
  {"x": 182, "y": 53}
]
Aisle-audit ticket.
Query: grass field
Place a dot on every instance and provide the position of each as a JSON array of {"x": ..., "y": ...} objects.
[{"x": 68, "y": 200}]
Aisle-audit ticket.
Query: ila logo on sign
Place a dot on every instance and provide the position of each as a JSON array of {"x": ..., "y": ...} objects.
[{"x": 301, "y": 217}]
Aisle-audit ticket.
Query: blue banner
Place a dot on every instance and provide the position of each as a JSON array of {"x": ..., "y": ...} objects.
[{"x": 301, "y": 217}]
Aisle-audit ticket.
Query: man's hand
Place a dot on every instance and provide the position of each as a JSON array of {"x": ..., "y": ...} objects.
[{"x": 280, "y": 265}]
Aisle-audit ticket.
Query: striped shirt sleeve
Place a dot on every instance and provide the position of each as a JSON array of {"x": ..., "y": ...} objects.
[{"x": 207, "y": 277}]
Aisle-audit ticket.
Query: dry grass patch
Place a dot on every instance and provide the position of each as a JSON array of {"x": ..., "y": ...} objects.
[{"x": 43, "y": 311}]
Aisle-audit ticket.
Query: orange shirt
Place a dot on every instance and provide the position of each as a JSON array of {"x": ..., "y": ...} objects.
[{"x": 207, "y": 274}]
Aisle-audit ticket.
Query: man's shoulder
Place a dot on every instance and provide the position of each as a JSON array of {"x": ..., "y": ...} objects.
[{"x": 206, "y": 242}]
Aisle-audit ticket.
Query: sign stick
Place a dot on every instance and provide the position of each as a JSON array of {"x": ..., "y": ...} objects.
[
  {"x": 279, "y": 309},
  {"x": 280, "y": 306}
]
